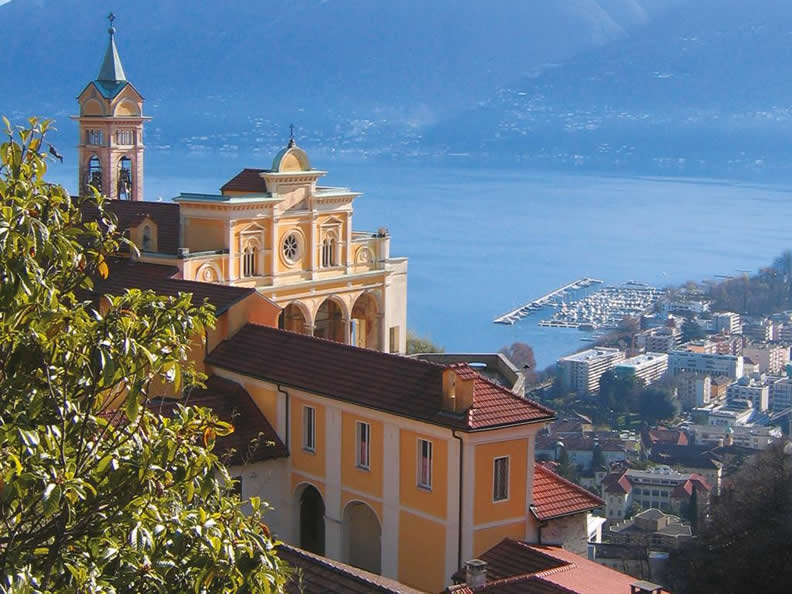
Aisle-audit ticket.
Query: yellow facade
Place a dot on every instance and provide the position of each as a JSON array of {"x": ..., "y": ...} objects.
[
  {"x": 486, "y": 509},
  {"x": 303, "y": 460},
  {"x": 486, "y": 538},
  {"x": 421, "y": 551},
  {"x": 432, "y": 501},
  {"x": 353, "y": 475}
]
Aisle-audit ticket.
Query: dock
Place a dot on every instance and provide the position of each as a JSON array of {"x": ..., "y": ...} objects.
[{"x": 538, "y": 304}]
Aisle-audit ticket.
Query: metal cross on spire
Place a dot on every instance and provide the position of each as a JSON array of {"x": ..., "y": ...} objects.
[
  {"x": 291, "y": 135},
  {"x": 111, "y": 17}
]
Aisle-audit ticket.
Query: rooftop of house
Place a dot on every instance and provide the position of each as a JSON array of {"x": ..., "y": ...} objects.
[
  {"x": 580, "y": 443},
  {"x": 127, "y": 274},
  {"x": 131, "y": 213},
  {"x": 247, "y": 180},
  {"x": 253, "y": 438},
  {"x": 320, "y": 575},
  {"x": 555, "y": 497},
  {"x": 516, "y": 566},
  {"x": 688, "y": 456},
  {"x": 663, "y": 435},
  {"x": 617, "y": 483},
  {"x": 591, "y": 354},
  {"x": 391, "y": 383}
]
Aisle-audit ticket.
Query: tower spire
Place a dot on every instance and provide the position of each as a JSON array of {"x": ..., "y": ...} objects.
[{"x": 111, "y": 69}]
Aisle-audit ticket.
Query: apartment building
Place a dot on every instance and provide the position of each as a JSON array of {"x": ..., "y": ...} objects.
[
  {"x": 650, "y": 367},
  {"x": 705, "y": 364},
  {"x": 771, "y": 358},
  {"x": 581, "y": 372}
]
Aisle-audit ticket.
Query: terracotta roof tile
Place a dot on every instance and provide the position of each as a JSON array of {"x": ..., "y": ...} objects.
[
  {"x": 617, "y": 483},
  {"x": 392, "y": 383},
  {"x": 131, "y": 213},
  {"x": 253, "y": 438},
  {"x": 126, "y": 274},
  {"x": 320, "y": 575},
  {"x": 515, "y": 566},
  {"x": 247, "y": 180},
  {"x": 554, "y": 496}
]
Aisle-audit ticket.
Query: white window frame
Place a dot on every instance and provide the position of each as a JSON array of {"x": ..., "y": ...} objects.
[
  {"x": 362, "y": 460},
  {"x": 424, "y": 482},
  {"x": 495, "y": 481},
  {"x": 309, "y": 429}
]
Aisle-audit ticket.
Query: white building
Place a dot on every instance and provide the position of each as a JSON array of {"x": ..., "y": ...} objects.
[
  {"x": 660, "y": 340},
  {"x": 781, "y": 394},
  {"x": 727, "y": 321},
  {"x": 755, "y": 389},
  {"x": 694, "y": 389},
  {"x": 754, "y": 436},
  {"x": 581, "y": 372},
  {"x": 650, "y": 367},
  {"x": 711, "y": 364}
]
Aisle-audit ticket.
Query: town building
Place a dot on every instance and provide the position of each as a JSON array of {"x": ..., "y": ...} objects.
[
  {"x": 651, "y": 528},
  {"x": 771, "y": 358},
  {"x": 692, "y": 459},
  {"x": 720, "y": 387},
  {"x": 727, "y": 344},
  {"x": 759, "y": 330},
  {"x": 693, "y": 389},
  {"x": 494, "y": 366},
  {"x": 781, "y": 394},
  {"x": 756, "y": 437},
  {"x": 705, "y": 364},
  {"x": 660, "y": 340},
  {"x": 581, "y": 372},
  {"x": 580, "y": 449},
  {"x": 754, "y": 388},
  {"x": 650, "y": 367},
  {"x": 728, "y": 322}
]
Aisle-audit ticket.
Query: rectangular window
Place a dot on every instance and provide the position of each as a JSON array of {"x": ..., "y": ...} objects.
[
  {"x": 309, "y": 428},
  {"x": 363, "y": 449},
  {"x": 424, "y": 464},
  {"x": 94, "y": 137},
  {"x": 125, "y": 137},
  {"x": 500, "y": 483}
]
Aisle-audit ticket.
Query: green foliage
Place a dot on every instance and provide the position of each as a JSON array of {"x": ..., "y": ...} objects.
[
  {"x": 692, "y": 331},
  {"x": 768, "y": 291},
  {"x": 97, "y": 494},
  {"x": 418, "y": 344},
  {"x": 658, "y": 404},
  {"x": 744, "y": 546},
  {"x": 619, "y": 392}
]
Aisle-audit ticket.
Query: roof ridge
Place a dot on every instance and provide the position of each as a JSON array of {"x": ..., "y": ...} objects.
[
  {"x": 509, "y": 392},
  {"x": 349, "y": 347},
  {"x": 569, "y": 483}
]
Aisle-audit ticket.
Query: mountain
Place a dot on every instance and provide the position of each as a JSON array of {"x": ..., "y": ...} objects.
[
  {"x": 701, "y": 90},
  {"x": 334, "y": 66}
]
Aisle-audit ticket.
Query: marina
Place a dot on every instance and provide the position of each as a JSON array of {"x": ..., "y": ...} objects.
[
  {"x": 605, "y": 308},
  {"x": 546, "y": 300}
]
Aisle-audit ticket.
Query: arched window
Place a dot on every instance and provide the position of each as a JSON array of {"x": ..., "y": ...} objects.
[
  {"x": 125, "y": 178},
  {"x": 328, "y": 252},
  {"x": 249, "y": 257},
  {"x": 146, "y": 238},
  {"x": 93, "y": 174}
]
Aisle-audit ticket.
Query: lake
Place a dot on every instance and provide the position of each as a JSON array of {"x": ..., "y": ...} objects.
[{"x": 482, "y": 241}]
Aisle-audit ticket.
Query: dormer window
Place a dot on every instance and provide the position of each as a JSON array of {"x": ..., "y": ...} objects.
[{"x": 147, "y": 245}]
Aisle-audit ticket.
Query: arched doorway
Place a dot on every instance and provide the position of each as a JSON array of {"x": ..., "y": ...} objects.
[
  {"x": 329, "y": 321},
  {"x": 365, "y": 332},
  {"x": 312, "y": 527},
  {"x": 292, "y": 318},
  {"x": 362, "y": 537}
]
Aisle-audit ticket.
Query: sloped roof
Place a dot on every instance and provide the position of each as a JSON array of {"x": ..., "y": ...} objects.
[
  {"x": 111, "y": 69},
  {"x": 247, "y": 180},
  {"x": 126, "y": 274},
  {"x": 320, "y": 575},
  {"x": 554, "y": 496},
  {"x": 617, "y": 483},
  {"x": 253, "y": 438},
  {"x": 580, "y": 443},
  {"x": 130, "y": 213},
  {"x": 391, "y": 383},
  {"x": 516, "y": 566}
]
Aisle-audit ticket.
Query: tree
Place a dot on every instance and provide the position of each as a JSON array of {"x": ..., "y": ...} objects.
[
  {"x": 522, "y": 356},
  {"x": 418, "y": 344},
  {"x": 746, "y": 543},
  {"x": 658, "y": 404},
  {"x": 619, "y": 392},
  {"x": 691, "y": 330},
  {"x": 97, "y": 493}
]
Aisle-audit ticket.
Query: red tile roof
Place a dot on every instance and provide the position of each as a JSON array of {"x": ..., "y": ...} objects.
[
  {"x": 247, "y": 180},
  {"x": 671, "y": 436},
  {"x": 685, "y": 489},
  {"x": 126, "y": 274},
  {"x": 617, "y": 483},
  {"x": 391, "y": 383},
  {"x": 253, "y": 438},
  {"x": 131, "y": 213},
  {"x": 320, "y": 575},
  {"x": 554, "y": 496},
  {"x": 515, "y": 566}
]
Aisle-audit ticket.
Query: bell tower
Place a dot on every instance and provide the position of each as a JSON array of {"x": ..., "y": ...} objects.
[{"x": 111, "y": 131}]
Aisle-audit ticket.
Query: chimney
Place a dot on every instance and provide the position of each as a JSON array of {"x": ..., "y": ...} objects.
[
  {"x": 458, "y": 390},
  {"x": 476, "y": 573}
]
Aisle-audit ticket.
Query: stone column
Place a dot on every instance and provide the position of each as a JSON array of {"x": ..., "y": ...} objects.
[
  {"x": 347, "y": 330},
  {"x": 382, "y": 330}
]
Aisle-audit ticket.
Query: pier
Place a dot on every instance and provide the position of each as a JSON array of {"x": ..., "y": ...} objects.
[{"x": 524, "y": 310}]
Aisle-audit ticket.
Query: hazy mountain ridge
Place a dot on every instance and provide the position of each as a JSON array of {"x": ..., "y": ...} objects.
[
  {"x": 347, "y": 71},
  {"x": 700, "y": 91}
]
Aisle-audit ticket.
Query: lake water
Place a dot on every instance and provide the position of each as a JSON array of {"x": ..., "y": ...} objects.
[{"x": 482, "y": 241}]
